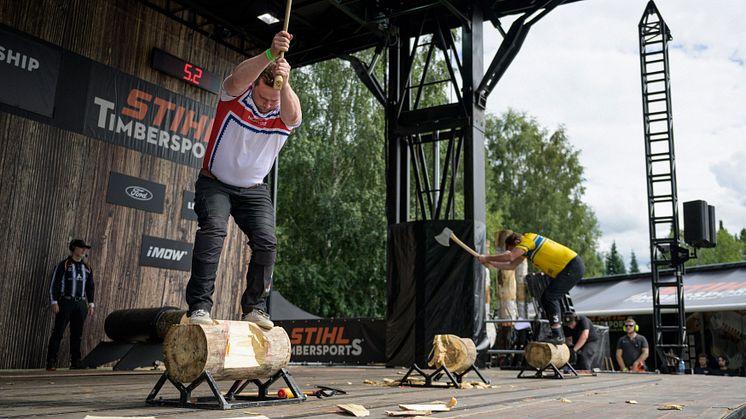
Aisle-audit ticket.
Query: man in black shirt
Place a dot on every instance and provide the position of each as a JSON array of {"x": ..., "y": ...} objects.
[
  {"x": 71, "y": 294},
  {"x": 581, "y": 338},
  {"x": 723, "y": 367},
  {"x": 632, "y": 349},
  {"x": 703, "y": 364}
]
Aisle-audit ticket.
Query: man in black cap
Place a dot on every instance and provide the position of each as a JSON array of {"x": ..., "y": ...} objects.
[
  {"x": 581, "y": 338},
  {"x": 71, "y": 294}
]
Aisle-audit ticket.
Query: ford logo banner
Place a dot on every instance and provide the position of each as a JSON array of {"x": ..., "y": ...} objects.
[
  {"x": 139, "y": 193},
  {"x": 136, "y": 193}
]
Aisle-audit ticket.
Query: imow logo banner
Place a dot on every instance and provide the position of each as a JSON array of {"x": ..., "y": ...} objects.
[{"x": 164, "y": 253}]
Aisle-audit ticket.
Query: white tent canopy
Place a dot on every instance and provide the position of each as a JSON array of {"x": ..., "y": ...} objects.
[{"x": 706, "y": 288}]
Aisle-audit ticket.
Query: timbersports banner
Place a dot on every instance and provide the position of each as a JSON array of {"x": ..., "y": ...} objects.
[
  {"x": 72, "y": 92},
  {"x": 337, "y": 341},
  {"x": 125, "y": 110}
]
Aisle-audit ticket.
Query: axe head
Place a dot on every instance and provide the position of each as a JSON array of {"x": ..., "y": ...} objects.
[{"x": 444, "y": 238}]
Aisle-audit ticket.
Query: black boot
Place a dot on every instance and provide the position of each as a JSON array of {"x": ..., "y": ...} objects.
[
  {"x": 556, "y": 337},
  {"x": 51, "y": 365},
  {"x": 76, "y": 365}
]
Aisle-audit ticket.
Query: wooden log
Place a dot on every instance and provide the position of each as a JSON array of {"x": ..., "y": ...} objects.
[
  {"x": 540, "y": 354},
  {"x": 506, "y": 284},
  {"x": 521, "y": 296},
  {"x": 229, "y": 350},
  {"x": 457, "y": 354},
  {"x": 168, "y": 319}
]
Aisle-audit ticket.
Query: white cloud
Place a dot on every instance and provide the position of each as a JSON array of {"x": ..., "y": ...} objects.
[
  {"x": 729, "y": 175},
  {"x": 579, "y": 67}
]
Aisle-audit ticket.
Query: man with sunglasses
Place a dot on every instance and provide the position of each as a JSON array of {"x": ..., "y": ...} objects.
[{"x": 632, "y": 349}]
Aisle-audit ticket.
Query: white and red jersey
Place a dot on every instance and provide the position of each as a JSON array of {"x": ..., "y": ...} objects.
[{"x": 244, "y": 142}]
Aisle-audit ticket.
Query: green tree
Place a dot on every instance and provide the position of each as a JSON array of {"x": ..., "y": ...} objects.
[
  {"x": 633, "y": 267},
  {"x": 614, "y": 262},
  {"x": 535, "y": 184},
  {"x": 729, "y": 248},
  {"x": 331, "y": 222}
]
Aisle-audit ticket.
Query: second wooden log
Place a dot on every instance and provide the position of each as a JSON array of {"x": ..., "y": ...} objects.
[{"x": 455, "y": 353}]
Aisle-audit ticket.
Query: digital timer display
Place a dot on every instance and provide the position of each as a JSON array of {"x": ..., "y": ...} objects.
[{"x": 189, "y": 72}]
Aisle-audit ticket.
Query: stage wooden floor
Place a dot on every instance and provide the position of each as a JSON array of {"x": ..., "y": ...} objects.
[{"x": 75, "y": 394}]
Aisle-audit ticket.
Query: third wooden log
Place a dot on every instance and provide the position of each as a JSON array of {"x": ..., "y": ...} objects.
[{"x": 540, "y": 354}]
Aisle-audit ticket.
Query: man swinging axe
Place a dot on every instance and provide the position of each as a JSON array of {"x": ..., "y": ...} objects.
[
  {"x": 253, "y": 120},
  {"x": 559, "y": 262}
]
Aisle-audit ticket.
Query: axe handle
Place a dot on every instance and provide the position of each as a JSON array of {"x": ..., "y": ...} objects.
[
  {"x": 279, "y": 81},
  {"x": 465, "y": 247}
]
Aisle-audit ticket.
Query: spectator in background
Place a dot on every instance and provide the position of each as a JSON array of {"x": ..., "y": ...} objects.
[
  {"x": 71, "y": 298},
  {"x": 723, "y": 367},
  {"x": 632, "y": 349},
  {"x": 703, "y": 366}
]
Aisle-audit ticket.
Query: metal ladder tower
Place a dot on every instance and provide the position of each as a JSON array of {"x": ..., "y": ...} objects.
[{"x": 667, "y": 256}]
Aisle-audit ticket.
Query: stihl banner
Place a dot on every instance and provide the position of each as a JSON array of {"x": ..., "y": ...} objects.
[
  {"x": 55, "y": 86},
  {"x": 337, "y": 341},
  {"x": 124, "y": 110}
]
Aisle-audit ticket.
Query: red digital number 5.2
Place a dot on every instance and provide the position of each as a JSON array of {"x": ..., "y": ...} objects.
[{"x": 192, "y": 74}]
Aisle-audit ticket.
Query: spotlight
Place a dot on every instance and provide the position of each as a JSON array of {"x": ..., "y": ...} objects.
[{"x": 268, "y": 18}]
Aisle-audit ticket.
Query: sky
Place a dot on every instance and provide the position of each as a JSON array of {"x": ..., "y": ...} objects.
[{"x": 580, "y": 68}]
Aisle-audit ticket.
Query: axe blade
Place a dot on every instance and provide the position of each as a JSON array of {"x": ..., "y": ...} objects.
[{"x": 444, "y": 238}]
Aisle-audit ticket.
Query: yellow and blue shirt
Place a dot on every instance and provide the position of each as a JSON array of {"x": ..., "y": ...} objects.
[{"x": 546, "y": 254}]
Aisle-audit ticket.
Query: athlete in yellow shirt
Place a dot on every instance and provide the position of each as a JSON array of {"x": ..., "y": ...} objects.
[{"x": 559, "y": 262}]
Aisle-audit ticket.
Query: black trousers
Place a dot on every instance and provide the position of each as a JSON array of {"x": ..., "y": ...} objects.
[
  {"x": 253, "y": 212},
  {"x": 586, "y": 355},
  {"x": 559, "y": 286},
  {"x": 74, "y": 313}
]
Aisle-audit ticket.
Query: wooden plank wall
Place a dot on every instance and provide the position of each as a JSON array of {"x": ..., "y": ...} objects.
[{"x": 54, "y": 183}]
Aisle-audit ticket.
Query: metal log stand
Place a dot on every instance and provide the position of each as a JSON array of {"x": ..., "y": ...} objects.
[
  {"x": 554, "y": 373},
  {"x": 233, "y": 399},
  {"x": 454, "y": 379}
]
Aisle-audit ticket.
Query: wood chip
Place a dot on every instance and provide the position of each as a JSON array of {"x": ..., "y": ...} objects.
[
  {"x": 452, "y": 403},
  {"x": 354, "y": 409},
  {"x": 420, "y": 381},
  {"x": 631, "y": 401},
  {"x": 371, "y": 382},
  {"x": 403, "y": 413},
  {"x": 466, "y": 385},
  {"x": 671, "y": 406},
  {"x": 390, "y": 382},
  {"x": 119, "y": 417},
  {"x": 434, "y": 407},
  {"x": 564, "y": 400}
]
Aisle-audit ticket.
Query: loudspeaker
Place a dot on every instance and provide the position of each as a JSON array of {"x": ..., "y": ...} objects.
[
  {"x": 699, "y": 224},
  {"x": 713, "y": 228},
  {"x": 432, "y": 289}
]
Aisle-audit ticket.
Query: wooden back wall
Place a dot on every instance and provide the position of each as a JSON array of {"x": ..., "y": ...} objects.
[{"x": 54, "y": 183}]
